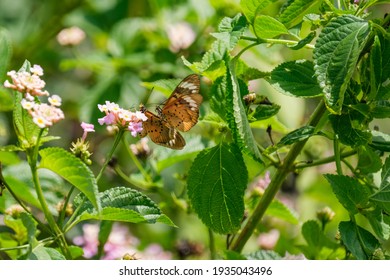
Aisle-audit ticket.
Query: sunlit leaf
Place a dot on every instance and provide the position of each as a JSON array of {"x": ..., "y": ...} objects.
[{"x": 216, "y": 185}]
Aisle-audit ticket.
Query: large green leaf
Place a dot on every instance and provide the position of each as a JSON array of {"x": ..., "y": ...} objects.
[
  {"x": 360, "y": 242},
  {"x": 216, "y": 184},
  {"x": 351, "y": 128},
  {"x": 236, "y": 114},
  {"x": 382, "y": 196},
  {"x": 382, "y": 79},
  {"x": 121, "y": 204},
  {"x": 295, "y": 78},
  {"x": 72, "y": 169},
  {"x": 336, "y": 54},
  {"x": 350, "y": 193}
]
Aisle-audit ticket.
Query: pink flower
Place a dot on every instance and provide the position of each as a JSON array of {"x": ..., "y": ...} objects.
[
  {"x": 181, "y": 36},
  {"x": 71, "y": 36},
  {"x": 121, "y": 118},
  {"x": 87, "y": 127}
]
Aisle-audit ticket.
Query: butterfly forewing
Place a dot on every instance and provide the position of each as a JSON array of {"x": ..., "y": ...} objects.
[
  {"x": 160, "y": 132},
  {"x": 181, "y": 109}
]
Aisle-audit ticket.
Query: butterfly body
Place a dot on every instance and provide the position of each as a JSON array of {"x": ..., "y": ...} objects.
[{"x": 179, "y": 112}]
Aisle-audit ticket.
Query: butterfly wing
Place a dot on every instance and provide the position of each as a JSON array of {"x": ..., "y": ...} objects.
[
  {"x": 181, "y": 110},
  {"x": 160, "y": 132}
]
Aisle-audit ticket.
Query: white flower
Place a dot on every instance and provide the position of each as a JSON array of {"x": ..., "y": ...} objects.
[
  {"x": 70, "y": 36},
  {"x": 181, "y": 36}
]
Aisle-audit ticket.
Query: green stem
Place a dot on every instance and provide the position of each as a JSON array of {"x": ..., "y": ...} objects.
[
  {"x": 116, "y": 142},
  {"x": 337, "y": 155},
  {"x": 275, "y": 41},
  {"x": 32, "y": 157},
  {"x": 136, "y": 161},
  {"x": 274, "y": 186},
  {"x": 213, "y": 251},
  {"x": 61, "y": 217},
  {"x": 330, "y": 159}
]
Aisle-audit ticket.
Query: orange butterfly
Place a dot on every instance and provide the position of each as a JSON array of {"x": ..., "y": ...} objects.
[{"x": 180, "y": 111}]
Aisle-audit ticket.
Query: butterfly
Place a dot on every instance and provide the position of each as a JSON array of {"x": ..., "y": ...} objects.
[{"x": 179, "y": 112}]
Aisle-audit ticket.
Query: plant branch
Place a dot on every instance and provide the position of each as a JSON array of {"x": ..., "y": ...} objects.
[{"x": 274, "y": 186}]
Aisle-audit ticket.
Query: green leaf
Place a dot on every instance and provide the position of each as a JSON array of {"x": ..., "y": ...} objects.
[
  {"x": 351, "y": 128},
  {"x": 360, "y": 242},
  {"x": 236, "y": 115},
  {"x": 369, "y": 160},
  {"x": 30, "y": 225},
  {"x": 5, "y": 51},
  {"x": 76, "y": 252},
  {"x": 263, "y": 255},
  {"x": 166, "y": 86},
  {"x": 383, "y": 84},
  {"x": 382, "y": 196},
  {"x": 267, "y": 27},
  {"x": 263, "y": 112},
  {"x": 303, "y": 42},
  {"x": 252, "y": 7},
  {"x": 375, "y": 68},
  {"x": 211, "y": 65},
  {"x": 104, "y": 233},
  {"x": 72, "y": 169},
  {"x": 217, "y": 97},
  {"x": 336, "y": 55},
  {"x": 378, "y": 224},
  {"x": 121, "y": 204},
  {"x": 45, "y": 253},
  {"x": 312, "y": 233},
  {"x": 278, "y": 210},
  {"x": 381, "y": 109},
  {"x": 297, "y": 135},
  {"x": 230, "y": 30},
  {"x": 380, "y": 141},
  {"x": 26, "y": 130},
  {"x": 216, "y": 183},
  {"x": 20, "y": 231},
  {"x": 350, "y": 193},
  {"x": 295, "y": 78},
  {"x": 294, "y": 11}
]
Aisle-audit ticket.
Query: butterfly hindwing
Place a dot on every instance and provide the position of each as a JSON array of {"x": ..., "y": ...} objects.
[{"x": 161, "y": 132}]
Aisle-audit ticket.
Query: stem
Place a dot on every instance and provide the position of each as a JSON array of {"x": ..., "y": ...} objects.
[
  {"x": 116, "y": 142},
  {"x": 330, "y": 159},
  {"x": 136, "y": 161},
  {"x": 275, "y": 41},
  {"x": 32, "y": 157},
  {"x": 61, "y": 218},
  {"x": 213, "y": 252},
  {"x": 274, "y": 186},
  {"x": 337, "y": 155}
]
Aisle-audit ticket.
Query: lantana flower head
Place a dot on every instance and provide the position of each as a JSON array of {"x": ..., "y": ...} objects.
[
  {"x": 30, "y": 84},
  {"x": 121, "y": 118}
]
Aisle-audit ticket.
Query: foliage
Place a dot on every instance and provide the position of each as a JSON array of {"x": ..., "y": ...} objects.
[{"x": 251, "y": 55}]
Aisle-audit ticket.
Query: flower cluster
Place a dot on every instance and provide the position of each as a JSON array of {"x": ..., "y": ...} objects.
[
  {"x": 29, "y": 83},
  {"x": 181, "y": 36},
  {"x": 71, "y": 36},
  {"x": 120, "y": 243},
  {"x": 121, "y": 118},
  {"x": 32, "y": 86}
]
